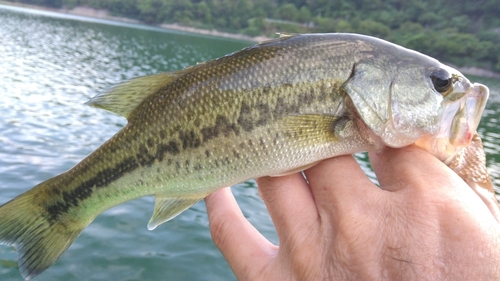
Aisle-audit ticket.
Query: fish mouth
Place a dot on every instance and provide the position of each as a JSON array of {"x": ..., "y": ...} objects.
[
  {"x": 459, "y": 121},
  {"x": 467, "y": 116}
]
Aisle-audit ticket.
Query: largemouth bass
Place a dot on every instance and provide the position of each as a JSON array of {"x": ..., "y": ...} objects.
[{"x": 271, "y": 109}]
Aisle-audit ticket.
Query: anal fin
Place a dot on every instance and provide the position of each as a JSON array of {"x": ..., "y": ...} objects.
[{"x": 166, "y": 208}]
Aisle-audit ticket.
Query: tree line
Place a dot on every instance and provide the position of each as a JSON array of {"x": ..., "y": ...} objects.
[{"x": 463, "y": 32}]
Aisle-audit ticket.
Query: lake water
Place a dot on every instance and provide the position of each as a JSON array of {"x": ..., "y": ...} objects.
[{"x": 51, "y": 64}]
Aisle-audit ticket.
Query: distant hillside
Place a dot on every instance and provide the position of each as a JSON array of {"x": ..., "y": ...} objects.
[{"x": 461, "y": 32}]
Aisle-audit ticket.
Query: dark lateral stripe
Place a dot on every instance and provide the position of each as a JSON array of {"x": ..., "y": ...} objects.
[
  {"x": 72, "y": 198},
  {"x": 250, "y": 116},
  {"x": 172, "y": 147},
  {"x": 222, "y": 126},
  {"x": 143, "y": 158},
  {"x": 189, "y": 139}
]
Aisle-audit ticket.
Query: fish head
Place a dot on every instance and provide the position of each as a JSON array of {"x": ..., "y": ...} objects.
[{"x": 408, "y": 98}]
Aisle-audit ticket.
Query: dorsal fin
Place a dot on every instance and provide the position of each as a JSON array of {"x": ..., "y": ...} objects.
[
  {"x": 286, "y": 34},
  {"x": 123, "y": 98}
]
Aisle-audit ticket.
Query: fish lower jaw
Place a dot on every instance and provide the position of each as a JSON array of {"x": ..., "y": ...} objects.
[{"x": 441, "y": 148}]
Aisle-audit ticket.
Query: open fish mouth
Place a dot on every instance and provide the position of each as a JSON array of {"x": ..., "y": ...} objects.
[
  {"x": 459, "y": 121},
  {"x": 468, "y": 114}
]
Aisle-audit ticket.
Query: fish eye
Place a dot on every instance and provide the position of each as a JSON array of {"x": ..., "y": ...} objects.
[{"x": 441, "y": 80}]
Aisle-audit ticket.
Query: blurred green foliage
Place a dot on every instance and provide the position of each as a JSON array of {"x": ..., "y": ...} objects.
[{"x": 465, "y": 32}]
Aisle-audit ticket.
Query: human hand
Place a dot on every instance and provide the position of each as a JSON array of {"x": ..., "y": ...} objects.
[{"x": 424, "y": 223}]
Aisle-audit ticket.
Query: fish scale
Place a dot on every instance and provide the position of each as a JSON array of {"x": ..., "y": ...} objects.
[
  {"x": 271, "y": 109},
  {"x": 181, "y": 149}
]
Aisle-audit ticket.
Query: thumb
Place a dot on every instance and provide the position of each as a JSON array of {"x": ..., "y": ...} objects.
[{"x": 398, "y": 168}]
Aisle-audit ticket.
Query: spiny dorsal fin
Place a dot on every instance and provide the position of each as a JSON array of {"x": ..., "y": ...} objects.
[
  {"x": 166, "y": 208},
  {"x": 123, "y": 98},
  {"x": 281, "y": 37},
  {"x": 286, "y": 34}
]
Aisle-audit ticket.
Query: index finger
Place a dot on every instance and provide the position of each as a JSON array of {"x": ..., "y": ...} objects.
[{"x": 240, "y": 243}]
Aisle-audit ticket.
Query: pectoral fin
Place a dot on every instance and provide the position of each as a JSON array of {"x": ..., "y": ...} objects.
[
  {"x": 166, "y": 208},
  {"x": 319, "y": 128}
]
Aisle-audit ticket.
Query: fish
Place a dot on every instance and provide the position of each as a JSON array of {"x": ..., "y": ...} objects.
[{"x": 271, "y": 109}]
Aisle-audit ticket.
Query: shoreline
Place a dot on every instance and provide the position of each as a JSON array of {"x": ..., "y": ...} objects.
[{"x": 104, "y": 14}]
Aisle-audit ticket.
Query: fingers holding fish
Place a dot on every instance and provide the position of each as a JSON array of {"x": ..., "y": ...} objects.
[
  {"x": 290, "y": 203},
  {"x": 386, "y": 162},
  {"x": 408, "y": 171},
  {"x": 235, "y": 237},
  {"x": 417, "y": 177},
  {"x": 338, "y": 184}
]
